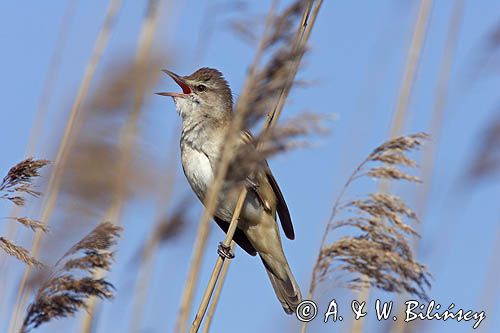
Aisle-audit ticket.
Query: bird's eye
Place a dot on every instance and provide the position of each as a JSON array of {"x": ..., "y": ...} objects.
[{"x": 201, "y": 87}]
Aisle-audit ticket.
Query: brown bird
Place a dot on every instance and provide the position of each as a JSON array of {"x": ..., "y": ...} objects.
[{"x": 206, "y": 108}]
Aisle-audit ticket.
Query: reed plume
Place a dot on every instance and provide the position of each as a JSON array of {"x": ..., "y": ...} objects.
[
  {"x": 15, "y": 186},
  {"x": 86, "y": 181},
  {"x": 19, "y": 252},
  {"x": 292, "y": 134},
  {"x": 170, "y": 226},
  {"x": 19, "y": 181},
  {"x": 379, "y": 253},
  {"x": 55, "y": 179},
  {"x": 71, "y": 284},
  {"x": 90, "y": 172},
  {"x": 279, "y": 45},
  {"x": 486, "y": 162},
  {"x": 488, "y": 59}
]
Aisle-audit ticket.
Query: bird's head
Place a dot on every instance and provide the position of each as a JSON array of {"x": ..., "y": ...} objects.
[{"x": 205, "y": 92}]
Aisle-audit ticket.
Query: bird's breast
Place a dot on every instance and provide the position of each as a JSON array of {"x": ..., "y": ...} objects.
[{"x": 197, "y": 169}]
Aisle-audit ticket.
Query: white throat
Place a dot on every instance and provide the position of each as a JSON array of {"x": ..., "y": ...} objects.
[{"x": 185, "y": 106}]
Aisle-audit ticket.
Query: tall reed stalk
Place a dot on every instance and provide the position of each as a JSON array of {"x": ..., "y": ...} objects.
[
  {"x": 217, "y": 293},
  {"x": 401, "y": 111},
  {"x": 38, "y": 124},
  {"x": 441, "y": 93},
  {"x": 55, "y": 179},
  {"x": 440, "y": 100},
  {"x": 411, "y": 66},
  {"x": 128, "y": 135}
]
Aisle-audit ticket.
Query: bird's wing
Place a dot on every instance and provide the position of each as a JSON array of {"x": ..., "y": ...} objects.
[
  {"x": 282, "y": 208},
  {"x": 239, "y": 236}
]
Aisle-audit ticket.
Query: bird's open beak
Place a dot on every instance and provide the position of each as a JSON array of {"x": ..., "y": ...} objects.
[{"x": 185, "y": 88}]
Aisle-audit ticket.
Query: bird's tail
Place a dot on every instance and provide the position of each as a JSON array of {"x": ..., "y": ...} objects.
[{"x": 286, "y": 288}]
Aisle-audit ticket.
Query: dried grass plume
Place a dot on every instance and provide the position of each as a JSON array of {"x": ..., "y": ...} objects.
[
  {"x": 72, "y": 284},
  {"x": 378, "y": 250},
  {"x": 14, "y": 187},
  {"x": 19, "y": 181}
]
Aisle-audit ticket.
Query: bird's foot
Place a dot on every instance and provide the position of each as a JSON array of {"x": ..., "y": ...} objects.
[
  {"x": 251, "y": 184},
  {"x": 225, "y": 251}
]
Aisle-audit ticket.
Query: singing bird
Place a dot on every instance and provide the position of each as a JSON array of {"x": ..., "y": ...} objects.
[{"x": 206, "y": 108}]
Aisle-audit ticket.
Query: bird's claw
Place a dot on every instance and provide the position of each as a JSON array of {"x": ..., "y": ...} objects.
[
  {"x": 251, "y": 184},
  {"x": 255, "y": 188},
  {"x": 225, "y": 251}
]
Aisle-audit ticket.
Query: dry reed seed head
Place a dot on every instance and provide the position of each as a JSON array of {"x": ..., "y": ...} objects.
[
  {"x": 25, "y": 170},
  {"x": 90, "y": 174},
  {"x": 380, "y": 250},
  {"x": 172, "y": 225},
  {"x": 80, "y": 286},
  {"x": 91, "y": 262},
  {"x": 385, "y": 206},
  {"x": 101, "y": 238},
  {"x": 486, "y": 163},
  {"x": 280, "y": 55},
  {"x": 125, "y": 76},
  {"x": 401, "y": 144},
  {"x": 96, "y": 148},
  {"x": 63, "y": 297},
  {"x": 389, "y": 172},
  {"x": 270, "y": 81},
  {"x": 245, "y": 29},
  {"x": 394, "y": 158},
  {"x": 48, "y": 308},
  {"x": 65, "y": 293},
  {"x": 16, "y": 200},
  {"x": 19, "y": 252},
  {"x": 384, "y": 267},
  {"x": 393, "y": 203},
  {"x": 19, "y": 180},
  {"x": 291, "y": 134},
  {"x": 95, "y": 250},
  {"x": 284, "y": 25},
  {"x": 34, "y": 225},
  {"x": 373, "y": 227}
]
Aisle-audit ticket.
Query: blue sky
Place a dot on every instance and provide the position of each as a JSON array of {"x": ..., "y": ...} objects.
[{"x": 355, "y": 66}]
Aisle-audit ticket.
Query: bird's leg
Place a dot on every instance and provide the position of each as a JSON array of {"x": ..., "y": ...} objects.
[
  {"x": 251, "y": 184},
  {"x": 255, "y": 188},
  {"x": 225, "y": 251}
]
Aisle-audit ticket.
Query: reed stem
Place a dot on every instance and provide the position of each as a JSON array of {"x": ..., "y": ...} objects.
[{"x": 54, "y": 184}]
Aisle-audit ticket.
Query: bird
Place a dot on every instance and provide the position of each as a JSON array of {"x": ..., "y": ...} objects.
[{"x": 205, "y": 106}]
